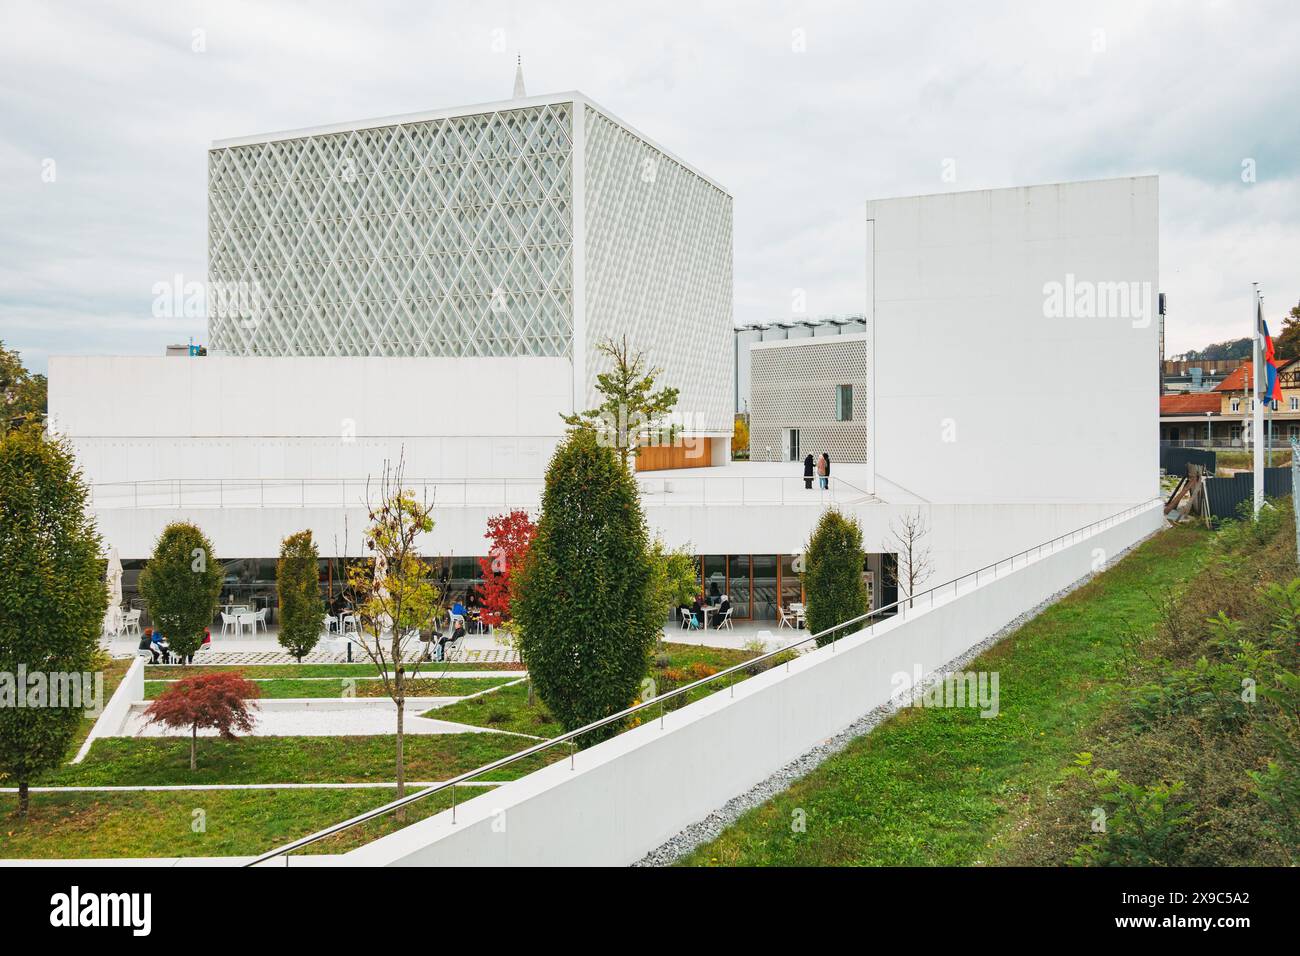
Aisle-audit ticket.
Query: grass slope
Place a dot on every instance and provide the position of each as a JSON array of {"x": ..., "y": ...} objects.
[{"x": 932, "y": 786}]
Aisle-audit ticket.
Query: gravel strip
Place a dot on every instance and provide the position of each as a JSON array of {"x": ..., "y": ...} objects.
[{"x": 712, "y": 826}]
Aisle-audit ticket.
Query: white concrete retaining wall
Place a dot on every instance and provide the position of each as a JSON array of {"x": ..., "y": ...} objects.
[
  {"x": 628, "y": 795},
  {"x": 115, "y": 712}
]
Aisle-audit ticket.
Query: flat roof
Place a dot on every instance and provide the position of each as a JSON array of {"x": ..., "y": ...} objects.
[
  {"x": 575, "y": 97},
  {"x": 843, "y": 337}
]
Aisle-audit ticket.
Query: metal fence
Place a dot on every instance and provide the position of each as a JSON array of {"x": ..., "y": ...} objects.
[
  {"x": 1227, "y": 494},
  {"x": 1175, "y": 460}
]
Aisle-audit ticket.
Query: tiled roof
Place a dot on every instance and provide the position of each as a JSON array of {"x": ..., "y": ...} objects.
[
  {"x": 1196, "y": 403},
  {"x": 1237, "y": 379}
]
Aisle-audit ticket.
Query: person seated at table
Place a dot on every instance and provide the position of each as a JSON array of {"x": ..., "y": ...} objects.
[
  {"x": 697, "y": 610},
  {"x": 146, "y": 644},
  {"x": 458, "y": 609},
  {"x": 449, "y": 636},
  {"x": 723, "y": 608}
]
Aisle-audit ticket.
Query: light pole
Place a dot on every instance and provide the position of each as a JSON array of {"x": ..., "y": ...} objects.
[{"x": 1209, "y": 425}]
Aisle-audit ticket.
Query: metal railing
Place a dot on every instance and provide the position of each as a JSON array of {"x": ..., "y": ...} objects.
[
  {"x": 900, "y": 608},
  {"x": 660, "y": 488},
  {"x": 1278, "y": 442}
]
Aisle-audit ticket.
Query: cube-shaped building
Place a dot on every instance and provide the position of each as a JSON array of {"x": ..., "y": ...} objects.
[{"x": 534, "y": 227}]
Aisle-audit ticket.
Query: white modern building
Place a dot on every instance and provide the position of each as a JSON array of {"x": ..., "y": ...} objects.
[
  {"x": 432, "y": 287},
  {"x": 977, "y": 300},
  {"x": 531, "y": 228}
]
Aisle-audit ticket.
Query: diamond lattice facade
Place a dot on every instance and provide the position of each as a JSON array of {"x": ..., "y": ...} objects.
[{"x": 536, "y": 227}]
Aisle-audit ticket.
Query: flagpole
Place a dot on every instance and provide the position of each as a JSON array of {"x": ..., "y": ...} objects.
[{"x": 1257, "y": 423}]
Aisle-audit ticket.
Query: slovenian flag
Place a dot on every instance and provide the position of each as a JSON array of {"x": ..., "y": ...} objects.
[{"x": 1267, "y": 385}]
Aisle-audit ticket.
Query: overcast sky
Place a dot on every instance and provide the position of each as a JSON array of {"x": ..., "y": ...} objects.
[{"x": 803, "y": 111}]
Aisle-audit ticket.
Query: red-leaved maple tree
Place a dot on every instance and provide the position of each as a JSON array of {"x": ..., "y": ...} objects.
[
  {"x": 510, "y": 534},
  {"x": 221, "y": 701}
]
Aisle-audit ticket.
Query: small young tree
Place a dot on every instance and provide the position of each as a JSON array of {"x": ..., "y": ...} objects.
[
  {"x": 393, "y": 596},
  {"x": 632, "y": 411},
  {"x": 220, "y": 702},
  {"x": 833, "y": 585},
  {"x": 676, "y": 578},
  {"x": 907, "y": 538},
  {"x": 510, "y": 534},
  {"x": 585, "y": 602},
  {"x": 181, "y": 586},
  {"x": 52, "y": 595},
  {"x": 297, "y": 579}
]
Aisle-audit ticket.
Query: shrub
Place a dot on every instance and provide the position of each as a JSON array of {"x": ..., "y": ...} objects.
[
  {"x": 181, "y": 585},
  {"x": 1140, "y": 826},
  {"x": 52, "y": 595},
  {"x": 833, "y": 578},
  {"x": 584, "y": 601}
]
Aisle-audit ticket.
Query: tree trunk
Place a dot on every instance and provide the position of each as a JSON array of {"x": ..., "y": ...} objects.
[
  {"x": 401, "y": 762},
  {"x": 530, "y": 692},
  {"x": 24, "y": 799},
  {"x": 194, "y": 746}
]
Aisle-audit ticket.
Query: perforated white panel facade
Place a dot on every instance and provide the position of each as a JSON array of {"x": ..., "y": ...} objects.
[
  {"x": 658, "y": 267},
  {"x": 793, "y": 385},
  {"x": 443, "y": 237}
]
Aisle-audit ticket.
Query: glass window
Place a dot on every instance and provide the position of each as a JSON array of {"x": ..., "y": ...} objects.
[
  {"x": 844, "y": 403},
  {"x": 739, "y": 584},
  {"x": 791, "y": 583},
  {"x": 715, "y": 576},
  {"x": 764, "y": 576}
]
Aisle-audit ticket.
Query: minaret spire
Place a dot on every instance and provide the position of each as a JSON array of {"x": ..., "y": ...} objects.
[{"x": 519, "y": 78}]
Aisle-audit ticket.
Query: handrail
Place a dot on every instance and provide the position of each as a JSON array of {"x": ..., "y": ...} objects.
[
  {"x": 572, "y": 735},
  {"x": 661, "y": 487}
]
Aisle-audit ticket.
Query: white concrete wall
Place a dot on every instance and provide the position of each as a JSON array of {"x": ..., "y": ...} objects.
[
  {"x": 980, "y": 395},
  {"x": 622, "y": 798},
  {"x": 110, "y": 721},
  {"x": 149, "y": 418}
]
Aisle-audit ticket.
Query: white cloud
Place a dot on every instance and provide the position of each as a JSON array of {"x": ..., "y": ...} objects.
[{"x": 881, "y": 96}]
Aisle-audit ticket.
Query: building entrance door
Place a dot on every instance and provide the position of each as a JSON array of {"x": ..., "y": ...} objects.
[{"x": 790, "y": 444}]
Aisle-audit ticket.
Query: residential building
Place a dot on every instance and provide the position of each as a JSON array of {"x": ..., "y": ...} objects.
[{"x": 1224, "y": 417}]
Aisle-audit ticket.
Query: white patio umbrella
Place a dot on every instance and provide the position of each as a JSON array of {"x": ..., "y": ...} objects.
[{"x": 113, "y": 581}]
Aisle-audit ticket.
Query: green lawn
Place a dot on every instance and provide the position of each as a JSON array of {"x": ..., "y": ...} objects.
[
  {"x": 934, "y": 786},
  {"x": 508, "y": 708},
  {"x": 145, "y": 761},
  {"x": 358, "y": 687},
  {"x": 236, "y": 822}
]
